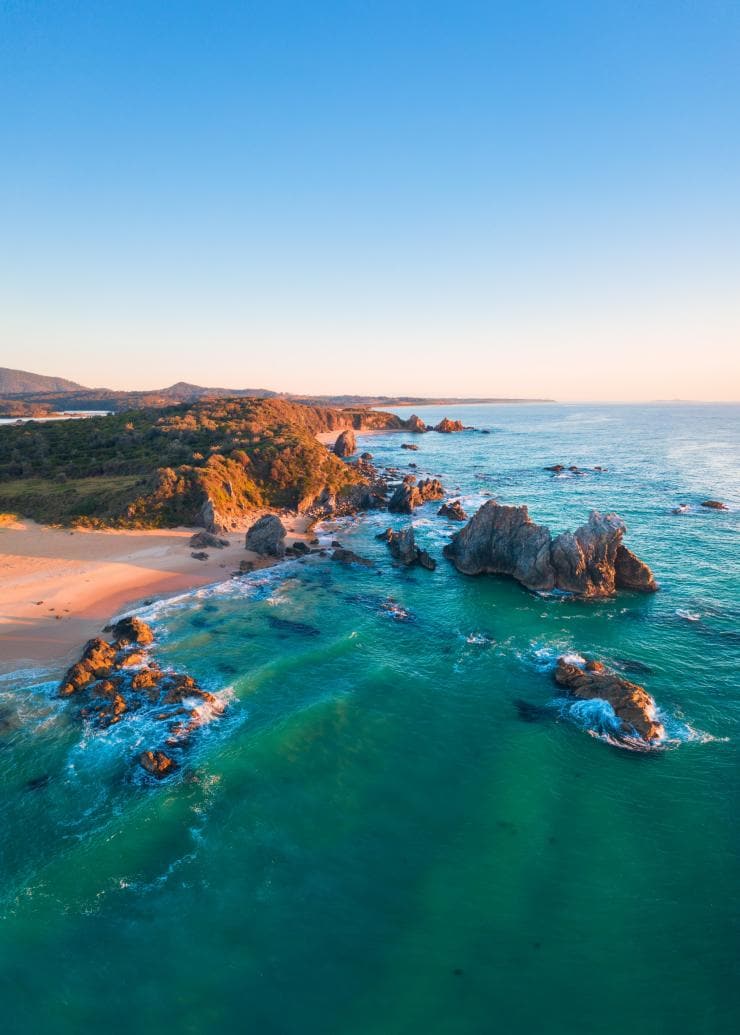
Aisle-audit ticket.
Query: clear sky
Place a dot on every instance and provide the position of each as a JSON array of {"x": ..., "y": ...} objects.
[{"x": 494, "y": 198}]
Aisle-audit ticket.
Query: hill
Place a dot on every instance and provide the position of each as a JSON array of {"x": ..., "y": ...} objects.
[
  {"x": 208, "y": 463},
  {"x": 20, "y": 382}
]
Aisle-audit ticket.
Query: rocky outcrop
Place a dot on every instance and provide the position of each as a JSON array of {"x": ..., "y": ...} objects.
[
  {"x": 207, "y": 540},
  {"x": 346, "y": 444},
  {"x": 403, "y": 548},
  {"x": 416, "y": 424},
  {"x": 409, "y": 445},
  {"x": 408, "y": 496},
  {"x": 632, "y": 704},
  {"x": 113, "y": 680},
  {"x": 447, "y": 426},
  {"x": 266, "y": 537},
  {"x": 453, "y": 511},
  {"x": 714, "y": 505},
  {"x": 590, "y": 562}
]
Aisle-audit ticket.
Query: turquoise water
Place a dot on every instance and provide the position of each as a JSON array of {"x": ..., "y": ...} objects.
[{"x": 372, "y": 840}]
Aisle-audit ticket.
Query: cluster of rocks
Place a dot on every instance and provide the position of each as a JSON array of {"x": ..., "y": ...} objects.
[
  {"x": 590, "y": 562},
  {"x": 632, "y": 704},
  {"x": 572, "y": 469},
  {"x": 403, "y": 548},
  {"x": 445, "y": 426},
  {"x": 411, "y": 494},
  {"x": 116, "y": 677}
]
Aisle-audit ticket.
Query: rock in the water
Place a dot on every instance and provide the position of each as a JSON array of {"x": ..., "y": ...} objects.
[
  {"x": 632, "y": 704},
  {"x": 453, "y": 511},
  {"x": 157, "y": 763},
  {"x": 350, "y": 557},
  {"x": 408, "y": 496},
  {"x": 714, "y": 505},
  {"x": 447, "y": 426},
  {"x": 404, "y": 549},
  {"x": 266, "y": 537},
  {"x": 409, "y": 445},
  {"x": 346, "y": 444},
  {"x": 199, "y": 555},
  {"x": 300, "y": 548},
  {"x": 416, "y": 424},
  {"x": 207, "y": 540},
  {"x": 132, "y": 630},
  {"x": 590, "y": 562}
]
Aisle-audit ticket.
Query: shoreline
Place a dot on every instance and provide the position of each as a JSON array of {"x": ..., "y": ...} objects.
[{"x": 59, "y": 587}]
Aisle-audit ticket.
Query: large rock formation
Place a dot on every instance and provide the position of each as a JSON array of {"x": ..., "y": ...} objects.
[
  {"x": 266, "y": 537},
  {"x": 447, "y": 426},
  {"x": 632, "y": 704},
  {"x": 346, "y": 444},
  {"x": 408, "y": 495},
  {"x": 416, "y": 424},
  {"x": 590, "y": 562},
  {"x": 404, "y": 549}
]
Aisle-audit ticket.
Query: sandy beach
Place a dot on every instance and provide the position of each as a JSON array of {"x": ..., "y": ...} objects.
[{"x": 59, "y": 587}]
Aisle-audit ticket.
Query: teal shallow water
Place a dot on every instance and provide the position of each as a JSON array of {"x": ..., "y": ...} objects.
[{"x": 372, "y": 840}]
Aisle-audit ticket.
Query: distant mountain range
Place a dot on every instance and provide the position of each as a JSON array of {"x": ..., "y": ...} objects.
[{"x": 26, "y": 394}]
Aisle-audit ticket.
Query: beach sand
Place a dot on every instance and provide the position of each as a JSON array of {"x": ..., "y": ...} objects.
[{"x": 59, "y": 587}]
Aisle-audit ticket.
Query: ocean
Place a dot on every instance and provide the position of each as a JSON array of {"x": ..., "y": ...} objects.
[{"x": 377, "y": 837}]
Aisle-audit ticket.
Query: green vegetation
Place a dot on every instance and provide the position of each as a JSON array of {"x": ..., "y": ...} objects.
[{"x": 209, "y": 461}]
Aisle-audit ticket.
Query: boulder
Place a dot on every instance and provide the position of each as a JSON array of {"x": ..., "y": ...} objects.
[
  {"x": 409, "y": 445},
  {"x": 199, "y": 555},
  {"x": 157, "y": 764},
  {"x": 266, "y": 537},
  {"x": 447, "y": 426},
  {"x": 632, "y": 704},
  {"x": 346, "y": 444},
  {"x": 714, "y": 505},
  {"x": 416, "y": 424},
  {"x": 590, "y": 562},
  {"x": 132, "y": 630},
  {"x": 404, "y": 549},
  {"x": 207, "y": 540},
  {"x": 453, "y": 511}
]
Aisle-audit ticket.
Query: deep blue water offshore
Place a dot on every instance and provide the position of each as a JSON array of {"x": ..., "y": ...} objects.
[{"x": 372, "y": 841}]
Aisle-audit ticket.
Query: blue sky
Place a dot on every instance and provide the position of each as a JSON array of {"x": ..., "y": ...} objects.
[{"x": 521, "y": 198}]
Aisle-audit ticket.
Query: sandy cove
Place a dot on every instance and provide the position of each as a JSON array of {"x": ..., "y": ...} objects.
[{"x": 59, "y": 587}]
